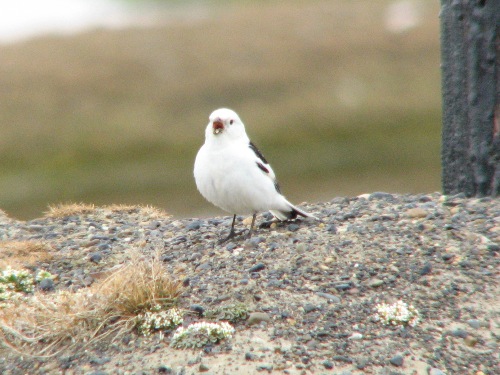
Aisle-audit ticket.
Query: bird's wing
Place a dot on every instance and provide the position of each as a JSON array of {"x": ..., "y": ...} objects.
[{"x": 264, "y": 165}]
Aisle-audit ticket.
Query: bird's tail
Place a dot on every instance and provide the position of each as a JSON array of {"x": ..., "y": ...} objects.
[{"x": 292, "y": 214}]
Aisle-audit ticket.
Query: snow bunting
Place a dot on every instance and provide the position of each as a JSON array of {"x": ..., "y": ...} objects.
[{"x": 232, "y": 173}]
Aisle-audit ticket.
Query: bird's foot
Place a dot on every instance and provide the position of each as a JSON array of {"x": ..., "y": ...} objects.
[{"x": 231, "y": 235}]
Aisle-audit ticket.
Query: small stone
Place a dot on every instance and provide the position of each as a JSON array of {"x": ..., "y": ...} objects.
[
  {"x": 308, "y": 307},
  {"x": 426, "y": 269},
  {"x": 329, "y": 297},
  {"x": 416, "y": 213},
  {"x": 474, "y": 323},
  {"x": 470, "y": 341},
  {"x": 203, "y": 368},
  {"x": 265, "y": 367},
  {"x": 258, "y": 267},
  {"x": 258, "y": 317},
  {"x": 293, "y": 227},
  {"x": 397, "y": 360},
  {"x": 380, "y": 195},
  {"x": 250, "y": 356},
  {"x": 164, "y": 369},
  {"x": 301, "y": 247},
  {"x": 197, "y": 309},
  {"x": 356, "y": 336},
  {"x": 95, "y": 257},
  {"x": 331, "y": 229},
  {"x": 328, "y": 365},
  {"x": 435, "y": 371},
  {"x": 343, "y": 286},
  {"x": 46, "y": 285},
  {"x": 375, "y": 283},
  {"x": 459, "y": 332},
  {"x": 194, "y": 225}
]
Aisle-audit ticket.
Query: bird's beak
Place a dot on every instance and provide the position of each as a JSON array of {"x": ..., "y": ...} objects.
[{"x": 218, "y": 126}]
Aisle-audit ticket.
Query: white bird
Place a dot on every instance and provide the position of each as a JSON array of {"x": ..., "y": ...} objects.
[{"x": 232, "y": 173}]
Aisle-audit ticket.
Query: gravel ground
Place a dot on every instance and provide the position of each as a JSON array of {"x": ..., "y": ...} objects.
[{"x": 311, "y": 287}]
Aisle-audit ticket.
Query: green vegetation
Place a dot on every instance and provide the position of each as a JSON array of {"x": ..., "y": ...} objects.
[{"x": 328, "y": 94}]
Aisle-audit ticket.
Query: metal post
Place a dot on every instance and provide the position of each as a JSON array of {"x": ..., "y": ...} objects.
[{"x": 470, "y": 47}]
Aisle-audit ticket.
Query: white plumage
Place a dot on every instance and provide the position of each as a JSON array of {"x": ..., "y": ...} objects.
[{"x": 232, "y": 173}]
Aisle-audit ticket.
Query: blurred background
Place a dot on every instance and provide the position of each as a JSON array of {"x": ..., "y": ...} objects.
[{"x": 106, "y": 101}]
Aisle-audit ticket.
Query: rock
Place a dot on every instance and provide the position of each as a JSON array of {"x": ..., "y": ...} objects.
[
  {"x": 194, "y": 225},
  {"x": 380, "y": 195},
  {"x": 426, "y": 269},
  {"x": 164, "y": 369},
  {"x": 258, "y": 317},
  {"x": 46, "y": 285},
  {"x": 293, "y": 227},
  {"x": 250, "y": 356},
  {"x": 470, "y": 341},
  {"x": 397, "y": 360},
  {"x": 375, "y": 283},
  {"x": 256, "y": 240},
  {"x": 459, "y": 332},
  {"x": 331, "y": 229},
  {"x": 203, "y": 368},
  {"x": 265, "y": 367},
  {"x": 474, "y": 323},
  {"x": 328, "y": 365},
  {"x": 435, "y": 371},
  {"x": 308, "y": 307},
  {"x": 329, "y": 297},
  {"x": 258, "y": 267},
  {"x": 416, "y": 213},
  {"x": 95, "y": 257},
  {"x": 355, "y": 336},
  {"x": 197, "y": 309}
]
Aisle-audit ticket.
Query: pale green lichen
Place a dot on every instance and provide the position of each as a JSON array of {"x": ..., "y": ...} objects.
[
  {"x": 231, "y": 313},
  {"x": 15, "y": 283},
  {"x": 200, "y": 334},
  {"x": 399, "y": 313},
  {"x": 158, "y": 320}
]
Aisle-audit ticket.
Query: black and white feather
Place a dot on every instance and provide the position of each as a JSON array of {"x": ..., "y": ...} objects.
[{"x": 233, "y": 174}]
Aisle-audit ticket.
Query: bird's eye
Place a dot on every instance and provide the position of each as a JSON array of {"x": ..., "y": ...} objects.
[{"x": 231, "y": 122}]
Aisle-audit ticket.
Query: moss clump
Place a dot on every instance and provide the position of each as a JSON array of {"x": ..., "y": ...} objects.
[{"x": 231, "y": 313}]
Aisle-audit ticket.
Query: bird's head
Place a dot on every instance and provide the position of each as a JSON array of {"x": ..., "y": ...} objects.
[{"x": 225, "y": 124}]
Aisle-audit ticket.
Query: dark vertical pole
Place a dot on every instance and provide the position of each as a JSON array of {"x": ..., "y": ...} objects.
[{"x": 470, "y": 47}]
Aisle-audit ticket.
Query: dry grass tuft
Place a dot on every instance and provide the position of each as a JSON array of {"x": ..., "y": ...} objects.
[
  {"x": 141, "y": 285},
  {"x": 46, "y": 325},
  {"x": 146, "y": 210},
  {"x": 69, "y": 209},
  {"x": 21, "y": 254}
]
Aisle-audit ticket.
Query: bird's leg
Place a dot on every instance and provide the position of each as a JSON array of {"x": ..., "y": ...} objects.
[
  {"x": 251, "y": 226},
  {"x": 232, "y": 233}
]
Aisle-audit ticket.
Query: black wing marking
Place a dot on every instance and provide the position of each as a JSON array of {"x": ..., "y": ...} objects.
[
  {"x": 257, "y": 152},
  {"x": 262, "y": 167}
]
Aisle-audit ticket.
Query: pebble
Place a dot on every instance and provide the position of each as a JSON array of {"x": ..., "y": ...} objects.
[
  {"x": 397, "y": 360},
  {"x": 164, "y": 369},
  {"x": 329, "y": 297},
  {"x": 194, "y": 225},
  {"x": 250, "y": 356},
  {"x": 356, "y": 336},
  {"x": 258, "y": 267},
  {"x": 265, "y": 367},
  {"x": 328, "y": 365},
  {"x": 435, "y": 371},
  {"x": 203, "y": 368},
  {"x": 375, "y": 283},
  {"x": 474, "y": 323},
  {"x": 95, "y": 257},
  {"x": 416, "y": 213},
  {"x": 258, "y": 317},
  {"x": 293, "y": 227},
  {"x": 46, "y": 285}
]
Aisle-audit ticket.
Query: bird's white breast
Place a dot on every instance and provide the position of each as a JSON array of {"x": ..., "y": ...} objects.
[{"x": 229, "y": 178}]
